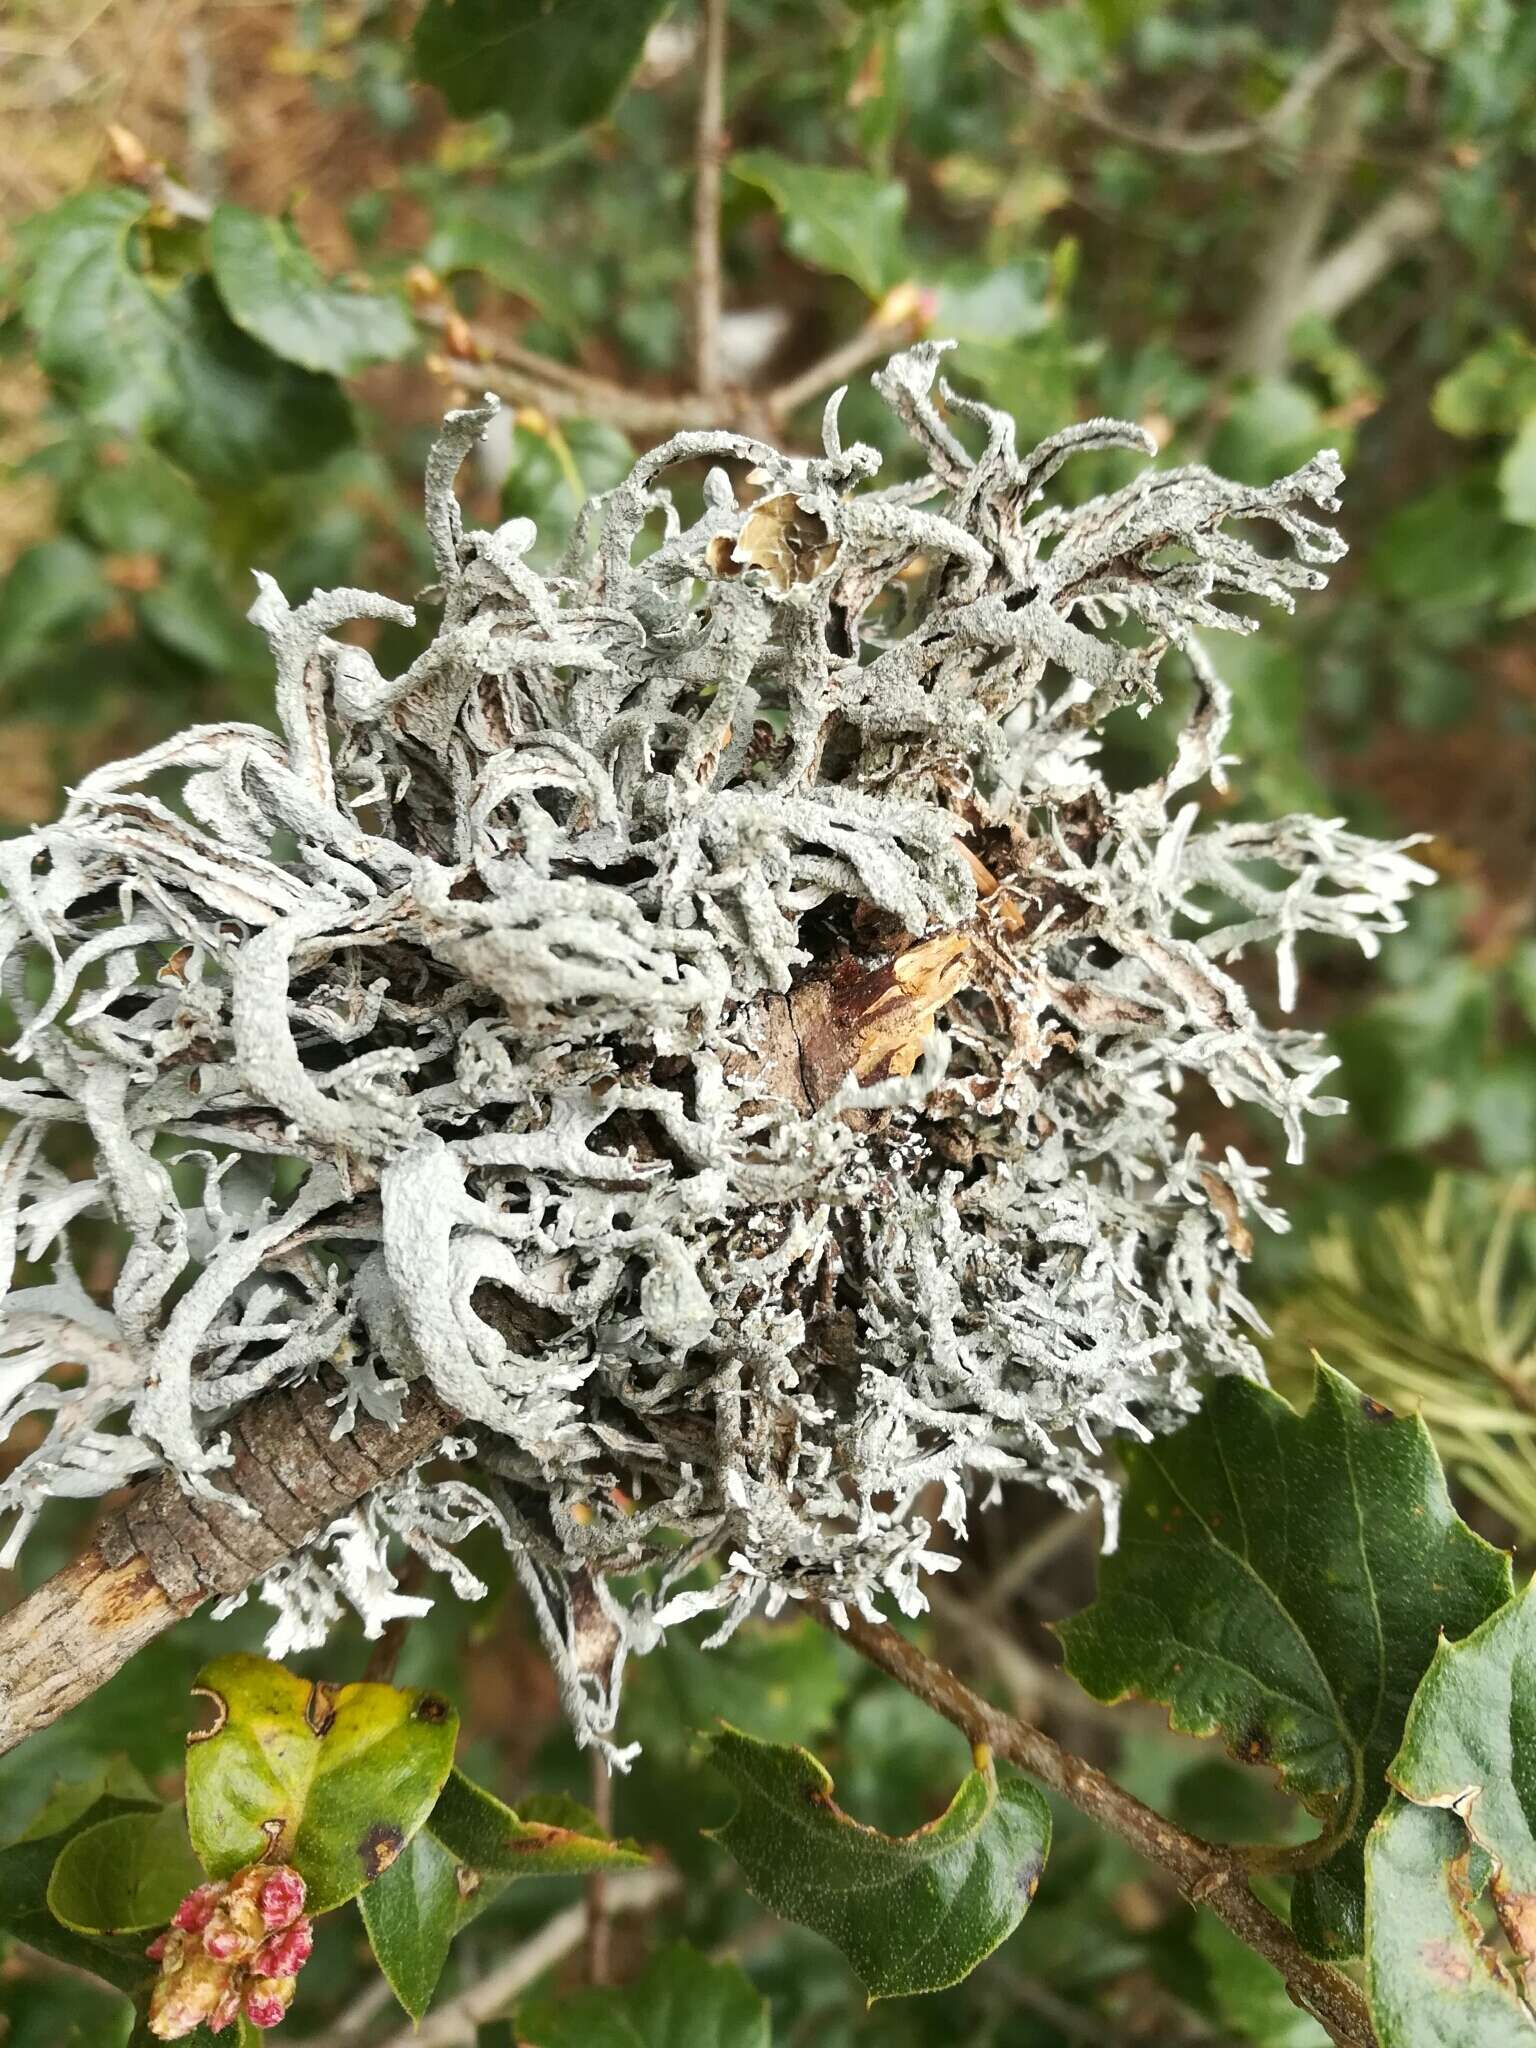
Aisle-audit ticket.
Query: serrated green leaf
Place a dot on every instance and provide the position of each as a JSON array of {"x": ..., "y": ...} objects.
[
  {"x": 412, "y": 1913},
  {"x": 913, "y": 1912},
  {"x": 334, "y": 1781},
  {"x": 1281, "y": 1581},
  {"x": 126, "y": 1875},
  {"x": 552, "y": 67},
  {"x": 1433, "y": 1981},
  {"x": 847, "y": 222},
  {"x": 273, "y": 288},
  {"x": 99, "y": 319},
  {"x": 489, "y": 1837},
  {"x": 683, "y": 2000},
  {"x": 1470, "y": 1746}
]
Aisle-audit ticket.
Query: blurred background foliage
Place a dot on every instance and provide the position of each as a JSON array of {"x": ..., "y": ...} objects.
[{"x": 250, "y": 250}]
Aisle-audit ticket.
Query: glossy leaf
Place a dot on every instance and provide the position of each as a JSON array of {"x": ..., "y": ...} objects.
[
  {"x": 843, "y": 221},
  {"x": 124, "y": 1875},
  {"x": 489, "y": 1837},
  {"x": 333, "y": 1780},
  {"x": 25, "y": 1869},
  {"x": 1281, "y": 1581},
  {"x": 1470, "y": 1747},
  {"x": 912, "y": 1912},
  {"x": 682, "y": 2000},
  {"x": 412, "y": 1912},
  {"x": 63, "y": 2012},
  {"x": 273, "y": 289},
  {"x": 1434, "y": 1983},
  {"x": 552, "y": 67}
]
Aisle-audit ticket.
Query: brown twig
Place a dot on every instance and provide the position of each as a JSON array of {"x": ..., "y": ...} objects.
[
  {"x": 164, "y": 1553},
  {"x": 708, "y": 152},
  {"x": 599, "y": 1923},
  {"x": 1206, "y": 1873}
]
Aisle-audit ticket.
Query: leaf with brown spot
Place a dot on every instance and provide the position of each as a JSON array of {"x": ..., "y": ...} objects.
[
  {"x": 1470, "y": 1747},
  {"x": 332, "y": 1779}
]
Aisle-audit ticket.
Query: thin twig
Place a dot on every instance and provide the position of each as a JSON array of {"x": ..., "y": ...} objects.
[
  {"x": 454, "y": 2023},
  {"x": 708, "y": 152},
  {"x": 1207, "y": 1873},
  {"x": 599, "y": 1925}
]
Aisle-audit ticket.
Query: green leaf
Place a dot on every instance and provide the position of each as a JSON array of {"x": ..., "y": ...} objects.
[
  {"x": 137, "y": 503},
  {"x": 25, "y": 1869},
  {"x": 1470, "y": 1747},
  {"x": 912, "y": 1912},
  {"x": 1249, "y": 1995},
  {"x": 1517, "y": 475},
  {"x": 100, "y": 321},
  {"x": 53, "y": 589},
  {"x": 1433, "y": 1982},
  {"x": 781, "y": 1682},
  {"x": 125, "y": 1875},
  {"x": 63, "y": 2012},
  {"x": 554, "y": 473},
  {"x": 273, "y": 289},
  {"x": 683, "y": 2000},
  {"x": 333, "y": 1781},
  {"x": 489, "y": 1837},
  {"x": 1281, "y": 1581},
  {"x": 843, "y": 221},
  {"x": 551, "y": 66},
  {"x": 1489, "y": 391},
  {"x": 241, "y": 412},
  {"x": 412, "y": 1914}
]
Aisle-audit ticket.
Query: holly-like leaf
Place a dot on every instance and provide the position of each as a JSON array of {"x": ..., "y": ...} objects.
[
  {"x": 1434, "y": 1983},
  {"x": 99, "y": 318},
  {"x": 912, "y": 1912},
  {"x": 843, "y": 221},
  {"x": 552, "y": 67},
  {"x": 124, "y": 1875},
  {"x": 274, "y": 289},
  {"x": 683, "y": 2000},
  {"x": 333, "y": 1780},
  {"x": 1470, "y": 1747},
  {"x": 159, "y": 355},
  {"x": 489, "y": 1837},
  {"x": 1282, "y": 1580}
]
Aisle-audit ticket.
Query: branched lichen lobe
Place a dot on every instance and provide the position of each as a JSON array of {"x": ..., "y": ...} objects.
[{"x": 725, "y": 1023}]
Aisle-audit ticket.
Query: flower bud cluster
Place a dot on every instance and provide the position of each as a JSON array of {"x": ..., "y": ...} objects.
[{"x": 232, "y": 1949}]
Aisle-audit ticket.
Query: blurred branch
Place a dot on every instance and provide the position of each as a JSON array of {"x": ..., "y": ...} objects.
[
  {"x": 709, "y": 149},
  {"x": 454, "y": 2023},
  {"x": 1354, "y": 264},
  {"x": 1205, "y": 1872},
  {"x": 599, "y": 1903},
  {"x": 1344, "y": 42}
]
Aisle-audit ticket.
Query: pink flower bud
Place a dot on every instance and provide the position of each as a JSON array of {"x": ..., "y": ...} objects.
[
  {"x": 267, "y": 1999},
  {"x": 282, "y": 1897},
  {"x": 223, "y": 1942},
  {"x": 195, "y": 1908},
  {"x": 284, "y": 1954},
  {"x": 156, "y": 1949},
  {"x": 226, "y": 2012}
]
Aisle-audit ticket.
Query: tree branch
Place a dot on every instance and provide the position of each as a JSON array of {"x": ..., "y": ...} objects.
[
  {"x": 163, "y": 1553},
  {"x": 1206, "y": 1873},
  {"x": 709, "y": 149}
]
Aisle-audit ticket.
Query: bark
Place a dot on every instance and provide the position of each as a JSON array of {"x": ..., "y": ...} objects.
[{"x": 162, "y": 1553}]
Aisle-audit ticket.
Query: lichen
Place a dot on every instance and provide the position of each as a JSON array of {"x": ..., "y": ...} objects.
[{"x": 710, "y": 1014}]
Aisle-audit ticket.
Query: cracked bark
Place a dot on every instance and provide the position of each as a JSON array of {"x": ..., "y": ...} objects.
[{"x": 163, "y": 1553}]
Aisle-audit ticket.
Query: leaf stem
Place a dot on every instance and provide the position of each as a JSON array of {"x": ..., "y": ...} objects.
[{"x": 1205, "y": 1872}]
